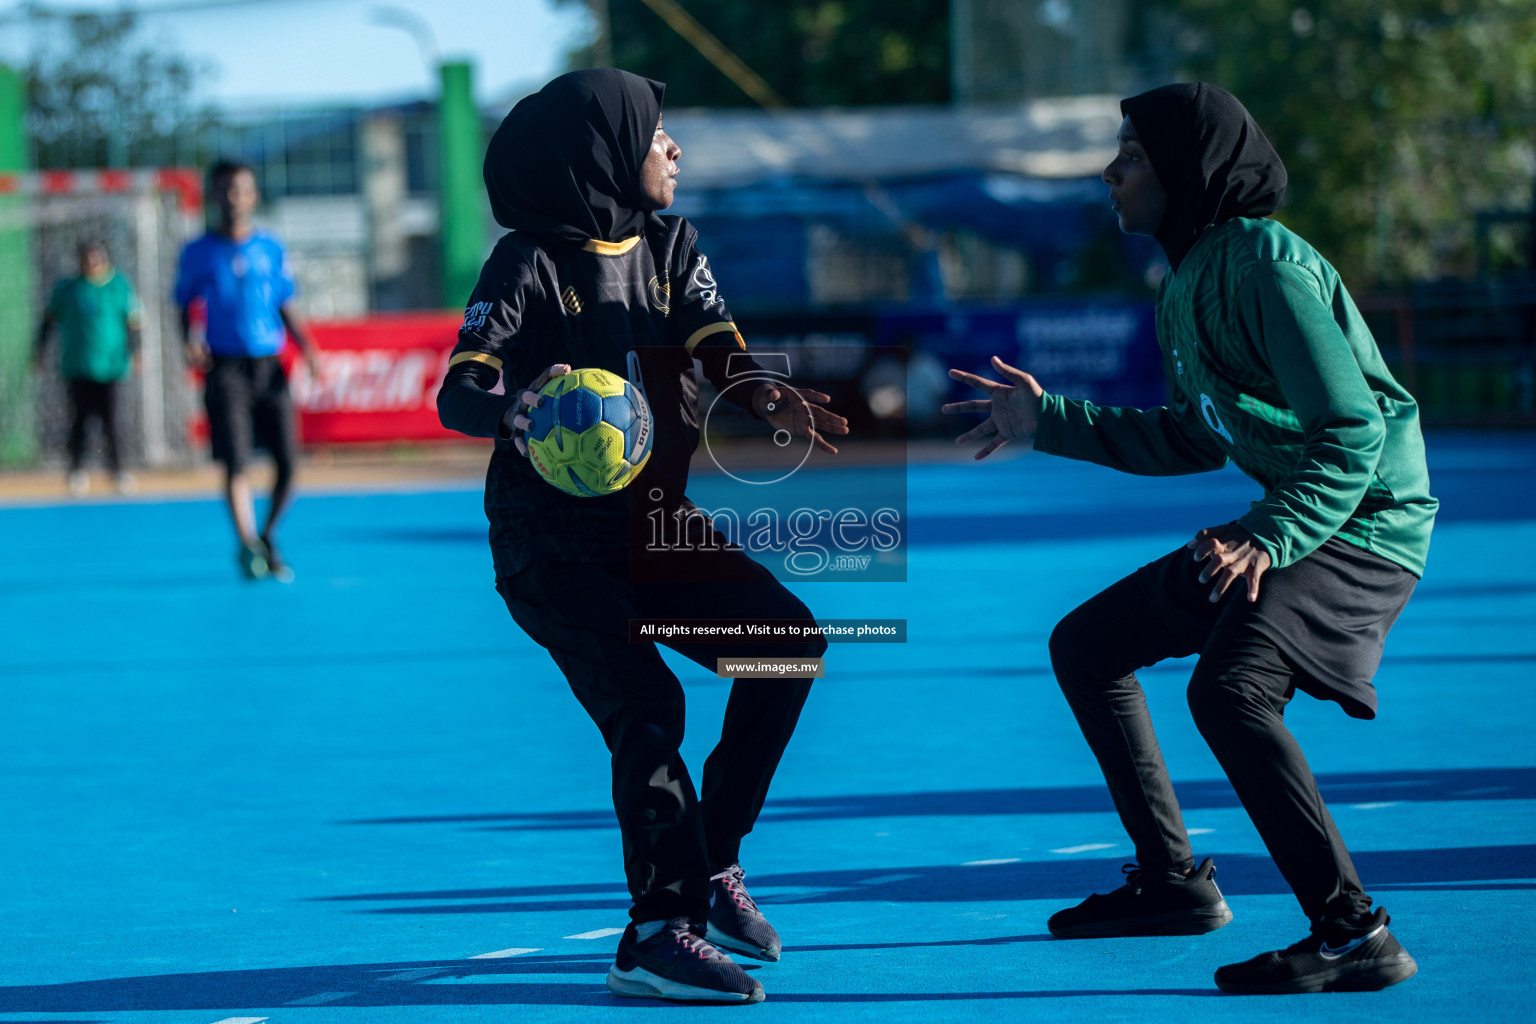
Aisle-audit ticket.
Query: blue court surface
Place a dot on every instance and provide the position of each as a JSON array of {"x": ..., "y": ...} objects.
[{"x": 368, "y": 797}]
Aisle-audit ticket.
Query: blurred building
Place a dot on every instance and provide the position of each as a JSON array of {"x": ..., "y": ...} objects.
[
  {"x": 808, "y": 209},
  {"x": 799, "y": 209},
  {"x": 353, "y": 193}
]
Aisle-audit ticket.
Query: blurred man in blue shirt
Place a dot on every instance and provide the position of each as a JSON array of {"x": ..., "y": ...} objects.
[{"x": 242, "y": 277}]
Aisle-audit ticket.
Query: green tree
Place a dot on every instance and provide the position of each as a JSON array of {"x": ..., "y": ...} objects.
[
  {"x": 1398, "y": 120},
  {"x": 811, "y": 52},
  {"x": 99, "y": 96}
]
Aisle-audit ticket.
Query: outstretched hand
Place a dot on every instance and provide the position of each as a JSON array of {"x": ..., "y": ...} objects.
[
  {"x": 1013, "y": 410},
  {"x": 800, "y": 412},
  {"x": 530, "y": 398},
  {"x": 1230, "y": 554}
]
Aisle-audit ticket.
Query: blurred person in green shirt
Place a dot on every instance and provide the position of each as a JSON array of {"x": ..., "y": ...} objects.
[{"x": 98, "y": 317}]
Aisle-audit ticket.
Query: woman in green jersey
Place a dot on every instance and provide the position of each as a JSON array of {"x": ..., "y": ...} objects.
[{"x": 1273, "y": 369}]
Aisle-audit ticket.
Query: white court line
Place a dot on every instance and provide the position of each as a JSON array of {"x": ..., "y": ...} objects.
[
  {"x": 319, "y": 998},
  {"x": 1373, "y": 807},
  {"x": 989, "y": 863},
  {"x": 499, "y": 953},
  {"x": 241, "y": 1020},
  {"x": 1086, "y": 847},
  {"x": 597, "y": 933},
  {"x": 883, "y": 879},
  {"x": 1201, "y": 831}
]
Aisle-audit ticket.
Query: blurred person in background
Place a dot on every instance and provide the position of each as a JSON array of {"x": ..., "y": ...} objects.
[
  {"x": 98, "y": 316},
  {"x": 1272, "y": 368},
  {"x": 242, "y": 279}
]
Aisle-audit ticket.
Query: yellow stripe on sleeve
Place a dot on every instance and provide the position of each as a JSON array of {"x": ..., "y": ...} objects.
[
  {"x": 704, "y": 332},
  {"x": 475, "y": 357}
]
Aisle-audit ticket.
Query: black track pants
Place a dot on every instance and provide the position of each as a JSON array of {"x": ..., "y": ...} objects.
[
  {"x": 1237, "y": 694},
  {"x": 87, "y": 399},
  {"x": 673, "y": 840}
]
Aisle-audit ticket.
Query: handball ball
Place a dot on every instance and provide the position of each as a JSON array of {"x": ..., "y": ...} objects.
[{"x": 592, "y": 433}]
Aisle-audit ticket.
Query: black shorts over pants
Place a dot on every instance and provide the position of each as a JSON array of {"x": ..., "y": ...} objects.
[
  {"x": 1331, "y": 609},
  {"x": 249, "y": 407},
  {"x": 579, "y": 612}
]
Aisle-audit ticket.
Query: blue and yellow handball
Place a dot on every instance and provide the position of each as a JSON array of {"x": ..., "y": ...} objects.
[{"x": 592, "y": 433}]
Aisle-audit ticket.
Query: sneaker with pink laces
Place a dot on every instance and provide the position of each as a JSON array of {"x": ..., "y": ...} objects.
[
  {"x": 672, "y": 960},
  {"x": 735, "y": 923}
]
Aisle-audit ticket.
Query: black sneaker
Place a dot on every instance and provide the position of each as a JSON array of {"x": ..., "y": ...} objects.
[
  {"x": 1147, "y": 906},
  {"x": 677, "y": 963},
  {"x": 1334, "y": 958},
  {"x": 276, "y": 567},
  {"x": 735, "y": 923}
]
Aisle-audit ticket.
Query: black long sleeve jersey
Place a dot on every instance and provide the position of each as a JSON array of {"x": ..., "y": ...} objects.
[{"x": 539, "y": 303}]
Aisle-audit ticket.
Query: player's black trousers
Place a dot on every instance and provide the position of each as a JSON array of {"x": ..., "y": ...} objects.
[
  {"x": 673, "y": 839},
  {"x": 93, "y": 399},
  {"x": 1237, "y": 694}
]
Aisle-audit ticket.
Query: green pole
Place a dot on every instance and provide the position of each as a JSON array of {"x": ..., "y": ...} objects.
[
  {"x": 18, "y": 436},
  {"x": 463, "y": 150}
]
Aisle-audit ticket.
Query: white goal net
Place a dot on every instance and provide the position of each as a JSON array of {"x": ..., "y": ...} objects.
[{"x": 143, "y": 217}]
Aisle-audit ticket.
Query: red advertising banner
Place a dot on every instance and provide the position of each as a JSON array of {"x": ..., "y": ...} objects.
[{"x": 378, "y": 379}]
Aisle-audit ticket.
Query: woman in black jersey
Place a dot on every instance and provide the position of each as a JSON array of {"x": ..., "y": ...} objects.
[{"x": 588, "y": 276}]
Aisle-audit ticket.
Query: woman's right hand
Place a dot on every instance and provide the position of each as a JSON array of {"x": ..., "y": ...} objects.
[{"x": 529, "y": 398}]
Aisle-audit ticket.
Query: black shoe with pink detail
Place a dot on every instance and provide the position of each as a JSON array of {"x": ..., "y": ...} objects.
[
  {"x": 674, "y": 961},
  {"x": 735, "y": 923}
]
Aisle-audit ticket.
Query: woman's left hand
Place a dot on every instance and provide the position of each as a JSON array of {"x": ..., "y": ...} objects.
[
  {"x": 1230, "y": 554},
  {"x": 800, "y": 412},
  {"x": 1013, "y": 410}
]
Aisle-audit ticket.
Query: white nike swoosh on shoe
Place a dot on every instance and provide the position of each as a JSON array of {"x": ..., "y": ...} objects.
[{"x": 1328, "y": 952}]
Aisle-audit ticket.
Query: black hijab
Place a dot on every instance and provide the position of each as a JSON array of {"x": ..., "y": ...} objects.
[
  {"x": 565, "y": 163},
  {"x": 1211, "y": 158}
]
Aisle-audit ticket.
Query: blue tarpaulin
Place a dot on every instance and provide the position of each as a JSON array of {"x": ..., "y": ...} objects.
[{"x": 756, "y": 234}]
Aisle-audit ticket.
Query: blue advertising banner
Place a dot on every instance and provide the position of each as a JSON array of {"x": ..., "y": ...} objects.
[
  {"x": 1103, "y": 351},
  {"x": 886, "y": 366}
]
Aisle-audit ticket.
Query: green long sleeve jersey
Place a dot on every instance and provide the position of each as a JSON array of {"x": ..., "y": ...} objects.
[{"x": 1274, "y": 369}]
